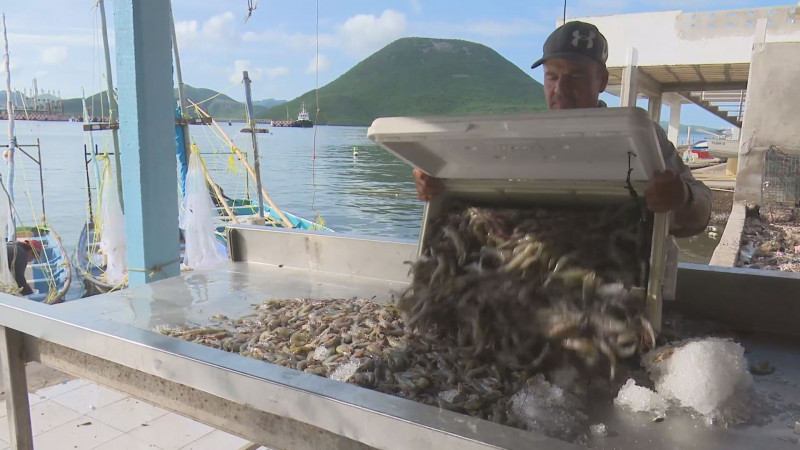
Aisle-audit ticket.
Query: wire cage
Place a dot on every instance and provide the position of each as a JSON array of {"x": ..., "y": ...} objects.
[{"x": 781, "y": 189}]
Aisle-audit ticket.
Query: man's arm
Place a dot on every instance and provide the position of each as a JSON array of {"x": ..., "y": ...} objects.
[
  {"x": 691, "y": 208},
  {"x": 427, "y": 186}
]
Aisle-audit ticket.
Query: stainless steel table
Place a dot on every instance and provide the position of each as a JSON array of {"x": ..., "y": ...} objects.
[{"x": 109, "y": 339}]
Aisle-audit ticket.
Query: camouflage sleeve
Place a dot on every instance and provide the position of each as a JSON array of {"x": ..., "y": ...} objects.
[{"x": 694, "y": 219}]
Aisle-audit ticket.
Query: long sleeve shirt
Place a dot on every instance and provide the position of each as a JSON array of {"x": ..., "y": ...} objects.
[{"x": 694, "y": 219}]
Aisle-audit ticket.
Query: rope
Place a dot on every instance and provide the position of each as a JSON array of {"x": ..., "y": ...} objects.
[
  {"x": 251, "y": 6},
  {"x": 230, "y": 164},
  {"x": 320, "y": 221},
  {"x": 224, "y": 91},
  {"x": 48, "y": 271},
  {"x": 156, "y": 269}
]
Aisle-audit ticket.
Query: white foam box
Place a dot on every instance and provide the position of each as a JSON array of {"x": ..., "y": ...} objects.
[{"x": 574, "y": 158}]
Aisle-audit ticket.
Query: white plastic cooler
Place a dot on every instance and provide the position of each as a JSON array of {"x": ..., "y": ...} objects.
[{"x": 571, "y": 158}]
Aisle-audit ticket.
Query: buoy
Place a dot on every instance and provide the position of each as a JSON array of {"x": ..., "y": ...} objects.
[{"x": 355, "y": 151}]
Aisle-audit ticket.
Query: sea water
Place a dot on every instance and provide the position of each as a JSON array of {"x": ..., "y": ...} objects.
[
  {"x": 310, "y": 176},
  {"x": 372, "y": 193}
]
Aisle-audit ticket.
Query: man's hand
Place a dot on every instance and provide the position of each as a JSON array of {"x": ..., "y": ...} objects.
[
  {"x": 667, "y": 192},
  {"x": 427, "y": 186}
]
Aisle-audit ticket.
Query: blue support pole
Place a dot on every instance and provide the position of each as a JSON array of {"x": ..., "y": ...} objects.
[
  {"x": 146, "y": 104},
  {"x": 180, "y": 151}
]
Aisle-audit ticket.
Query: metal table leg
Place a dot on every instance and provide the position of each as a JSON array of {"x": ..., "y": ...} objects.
[{"x": 13, "y": 367}]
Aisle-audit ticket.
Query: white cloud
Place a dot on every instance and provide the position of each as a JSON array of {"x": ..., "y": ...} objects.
[
  {"x": 54, "y": 55},
  {"x": 324, "y": 64},
  {"x": 358, "y": 36},
  {"x": 218, "y": 31},
  {"x": 255, "y": 73},
  {"x": 220, "y": 28},
  {"x": 186, "y": 31},
  {"x": 416, "y": 6},
  {"x": 364, "y": 34}
]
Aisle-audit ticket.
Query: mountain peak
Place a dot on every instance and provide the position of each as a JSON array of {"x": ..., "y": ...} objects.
[{"x": 418, "y": 76}]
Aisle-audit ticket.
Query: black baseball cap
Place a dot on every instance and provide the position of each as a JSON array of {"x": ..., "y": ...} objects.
[{"x": 575, "y": 40}]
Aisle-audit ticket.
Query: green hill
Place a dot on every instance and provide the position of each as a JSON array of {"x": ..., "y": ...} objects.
[
  {"x": 220, "y": 105},
  {"x": 269, "y": 103},
  {"x": 422, "y": 76},
  {"x": 96, "y": 104}
]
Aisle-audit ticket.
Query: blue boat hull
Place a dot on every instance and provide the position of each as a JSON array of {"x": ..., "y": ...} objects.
[
  {"x": 88, "y": 260},
  {"x": 51, "y": 273}
]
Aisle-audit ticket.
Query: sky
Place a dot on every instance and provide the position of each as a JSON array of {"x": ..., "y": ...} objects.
[{"x": 288, "y": 48}]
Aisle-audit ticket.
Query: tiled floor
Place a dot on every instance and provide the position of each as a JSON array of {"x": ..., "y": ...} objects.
[{"x": 82, "y": 415}]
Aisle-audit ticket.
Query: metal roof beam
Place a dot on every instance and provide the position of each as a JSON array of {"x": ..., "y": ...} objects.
[
  {"x": 712, "y": 109},
  {"x": 648, "y": 85},
  {"x": 708, "y": 86}
]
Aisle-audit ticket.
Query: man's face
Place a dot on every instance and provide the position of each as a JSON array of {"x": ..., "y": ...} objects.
[{"x": 573, "y": 84}]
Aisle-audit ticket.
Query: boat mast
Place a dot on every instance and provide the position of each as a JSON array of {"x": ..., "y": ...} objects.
[
  {"x": 110, "y": 95},
  {"x": 256, "y": 160},
  {"x": 12, "y": 141},
  {"x": 184, "y": 127},
  {"x": 92, "y": 148}
]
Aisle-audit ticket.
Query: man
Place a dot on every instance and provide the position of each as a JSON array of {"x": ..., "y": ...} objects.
[
  {"x": 19, "y": 255},
  {"x": 575, "y": 71}
]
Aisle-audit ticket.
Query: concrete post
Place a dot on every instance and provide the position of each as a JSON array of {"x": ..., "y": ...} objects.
[
  {"x": 674, "y": 117},
  {"x": 628, "y": 94},
  {"x": 654, "y": 109},
  {"x": 146, "y": 104},
  {"x": 750, "y": 170}
]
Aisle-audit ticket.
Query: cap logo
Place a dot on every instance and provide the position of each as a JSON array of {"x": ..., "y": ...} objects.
[{"x": 589, "y": 40}]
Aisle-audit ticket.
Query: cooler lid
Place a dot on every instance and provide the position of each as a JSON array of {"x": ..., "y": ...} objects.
[{"x": 579, "y": 144}]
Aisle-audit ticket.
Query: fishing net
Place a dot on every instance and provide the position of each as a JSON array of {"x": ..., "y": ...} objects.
[
  {"x": 197, "y": 219},
  {"x": 112, "y": 238},
  {"x": 781, "y": 189}
]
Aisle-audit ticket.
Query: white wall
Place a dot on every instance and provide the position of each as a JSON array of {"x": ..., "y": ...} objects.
[
  {"x": 676, "y": 37},
  {"x": 773, "y": 113}
]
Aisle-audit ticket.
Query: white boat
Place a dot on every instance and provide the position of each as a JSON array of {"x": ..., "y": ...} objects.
[{"x": 723, "y": 148}]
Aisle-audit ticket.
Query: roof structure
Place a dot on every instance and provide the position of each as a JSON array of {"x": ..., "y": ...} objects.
[
  {"x": 718, "y": 88},
  {"x": 698, "y": 57}
]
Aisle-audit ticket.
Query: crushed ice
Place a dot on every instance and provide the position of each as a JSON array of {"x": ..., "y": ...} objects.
[
  {"x": 448, "y": 395},
  {"x": 598, "y": 429},
  {"x": 640, "y": 399},
  {"x": 546, "y": 408},
  {"x": 320, "y": 353},
  {"x": 345, "y": 371},
  {"x": 701, "y": 374}
]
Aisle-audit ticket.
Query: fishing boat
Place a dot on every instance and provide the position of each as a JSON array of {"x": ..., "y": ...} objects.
[
  {"x": 257, "y": 130},
  {"x": 49, "y": 273},
  {"x": 303, "y": 120},
  {"x": 246, "y": 211},
  {"x": 89, "y": 262}
]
